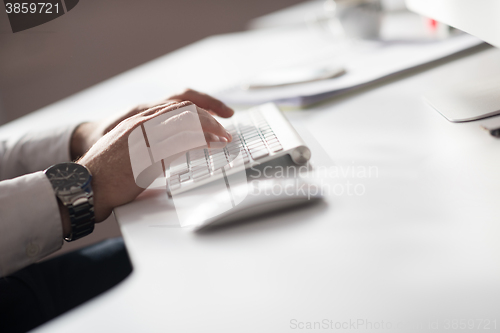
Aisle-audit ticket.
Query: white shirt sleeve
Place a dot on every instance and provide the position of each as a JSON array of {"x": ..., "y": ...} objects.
[
  {"x": 34, "y": 151},
  {"x": 30, "y": 223}
]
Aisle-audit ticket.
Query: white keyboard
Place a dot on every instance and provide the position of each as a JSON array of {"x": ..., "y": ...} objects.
[{"x": 260, "y": 134}]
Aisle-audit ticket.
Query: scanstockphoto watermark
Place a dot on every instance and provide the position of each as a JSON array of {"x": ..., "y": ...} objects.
[
  {"x": 333, "y": 180},
  {"x": 297, "y": 186},
  {"x": 462, "y": 324},
  {"x": 352, "y": 171}
]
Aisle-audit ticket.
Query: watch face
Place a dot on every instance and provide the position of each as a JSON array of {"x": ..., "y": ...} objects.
[{"x": 66, "y": 177}]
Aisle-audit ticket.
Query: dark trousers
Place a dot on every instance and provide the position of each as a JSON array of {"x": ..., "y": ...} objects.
[{"x": 42, "y": 291}]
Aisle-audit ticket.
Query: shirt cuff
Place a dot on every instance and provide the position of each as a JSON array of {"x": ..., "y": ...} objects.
[
  {"x": 31, "y": 224},
  {"x": 36, "y": 151},
  {"x": 60, "y": 145}
]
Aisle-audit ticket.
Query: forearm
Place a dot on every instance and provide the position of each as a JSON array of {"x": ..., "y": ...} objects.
[{"x": 83, "y": 137}]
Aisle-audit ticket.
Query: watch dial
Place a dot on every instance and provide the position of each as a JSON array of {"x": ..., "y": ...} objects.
[{"x": 66, "y": 176}]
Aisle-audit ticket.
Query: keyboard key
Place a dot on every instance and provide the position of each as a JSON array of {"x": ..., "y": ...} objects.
[
  {"x": 174, "y": 183},
  {"x": 255, "y": 144},
  {"x": 178, "y": 166},
  {"x": 251, "y": 135},
  {"x": 231, "y": 152},
  {"x": 199, "y": 163},
  {"x": 178, "y": 170},
  {"x": 244, "y": 128},
  {"x": 221, "y": 155},
  {"x": 217, "y": 153},
  {"x": 233, "y": 147},
  {"x": 253, "y": 140},
  {"x": 268, "y": 133},
  {"x": 196, "y": 154},
  {"x": 218, "y": 162},
  {"x": 271, "y": 141},
  {"x": 271, "y": 138},
  {"x": 174, "y": 187},
  {"x": 184, "y": 177},
  {"x": 195, "y": 168},
  {"x": 200, "y": 174},
  {"x": 276, "y": 147},
  {"x": 259, "y": 153},
  {"x": 247, "y": 132}
]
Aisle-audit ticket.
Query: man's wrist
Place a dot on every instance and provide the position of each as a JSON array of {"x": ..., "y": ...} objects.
[
  {"x": 81, "y": 139},
  {"x": 101, "y": 208}
]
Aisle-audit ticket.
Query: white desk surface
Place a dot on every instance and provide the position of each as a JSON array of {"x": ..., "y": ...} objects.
[{"x": 423, "y": 239}]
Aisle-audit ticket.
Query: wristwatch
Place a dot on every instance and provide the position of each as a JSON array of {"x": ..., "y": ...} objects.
[{"x": 71, "y": 183}]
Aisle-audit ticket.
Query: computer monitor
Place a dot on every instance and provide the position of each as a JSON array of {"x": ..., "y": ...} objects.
[
  {"x": 470, "y": 100},
  {"x": 480, "y": 18}
]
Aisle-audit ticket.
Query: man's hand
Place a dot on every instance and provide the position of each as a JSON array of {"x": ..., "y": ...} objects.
[
  {"x": 87, "y": 134},
  {"x": 109, "y": 161}
]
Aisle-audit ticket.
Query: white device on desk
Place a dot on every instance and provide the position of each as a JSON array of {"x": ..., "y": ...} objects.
[
  {"x": 469, "y": 100},
  {"x": 210, "y": 186},
  {"x": 260, "y": 134}
]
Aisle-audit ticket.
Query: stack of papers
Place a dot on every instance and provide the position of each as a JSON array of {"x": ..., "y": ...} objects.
[{"x": 402, "y": 46}]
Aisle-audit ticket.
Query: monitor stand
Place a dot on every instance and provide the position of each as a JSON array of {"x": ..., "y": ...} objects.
[{"x": 467, "y": 101}]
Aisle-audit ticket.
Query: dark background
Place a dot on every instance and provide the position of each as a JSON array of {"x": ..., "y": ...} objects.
[{"x": 102, "y": 38}]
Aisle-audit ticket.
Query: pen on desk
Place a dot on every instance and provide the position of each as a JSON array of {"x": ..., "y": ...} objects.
[
  {"x": 290, "y": 76},
  {"x": 493, "y": 131}
]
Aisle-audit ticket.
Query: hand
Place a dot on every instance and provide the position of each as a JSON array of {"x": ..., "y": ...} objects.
[
  {"x": 87, "y": 134},
  {"x": 109, "y": 161}
]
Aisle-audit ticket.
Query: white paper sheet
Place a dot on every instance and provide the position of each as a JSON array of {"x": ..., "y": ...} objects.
[{"x": 403, "y": 46}]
